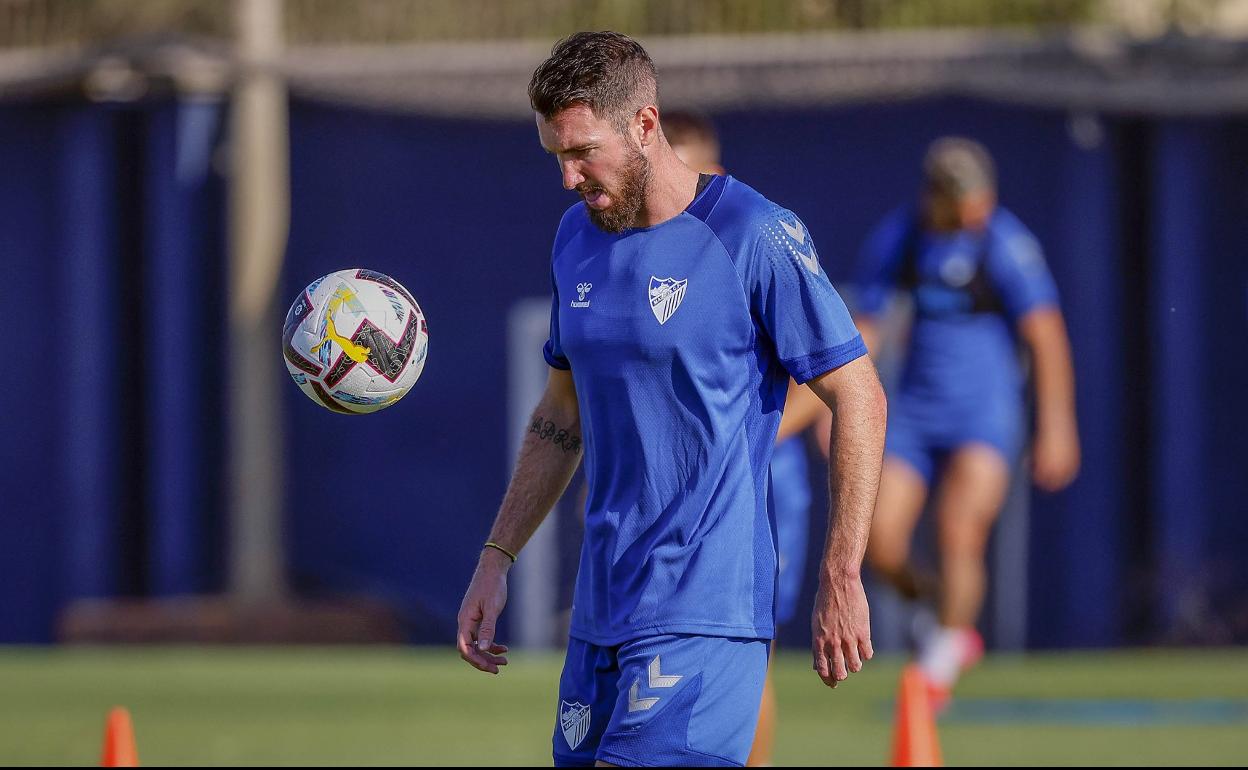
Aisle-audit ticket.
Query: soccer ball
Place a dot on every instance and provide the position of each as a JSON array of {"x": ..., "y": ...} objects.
[{"x": 355, "y": 341}]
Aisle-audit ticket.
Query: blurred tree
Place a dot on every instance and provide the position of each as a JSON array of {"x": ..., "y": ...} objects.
[{"x": 25, "y": 23}]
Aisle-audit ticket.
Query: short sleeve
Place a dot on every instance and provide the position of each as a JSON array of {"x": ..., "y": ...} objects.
[
  {"x": 795, "y": 302},
  {"x": 1018, "y": 271},
  {"x": 553, "y": 349},
  {"x": 878, "y": 263}
]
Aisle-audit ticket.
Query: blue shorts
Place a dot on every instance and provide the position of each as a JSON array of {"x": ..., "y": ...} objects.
[
  {"x": 790, "y": 493},
  {"x": 923, "y": 433},
  {"x": 661, "y": 701}
]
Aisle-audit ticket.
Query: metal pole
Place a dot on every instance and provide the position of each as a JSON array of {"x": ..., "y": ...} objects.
[
  {"x": 259, "y": 211},
  {"x": 533, "y": 615}
]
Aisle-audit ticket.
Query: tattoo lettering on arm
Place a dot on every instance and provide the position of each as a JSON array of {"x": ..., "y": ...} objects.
[{"x": 548, "y": 431}]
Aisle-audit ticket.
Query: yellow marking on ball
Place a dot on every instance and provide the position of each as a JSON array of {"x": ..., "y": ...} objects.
[{"x": 357, "y": 353}]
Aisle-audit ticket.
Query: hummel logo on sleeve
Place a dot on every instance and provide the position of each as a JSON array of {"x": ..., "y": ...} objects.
[{"x": 798, "y": 234}]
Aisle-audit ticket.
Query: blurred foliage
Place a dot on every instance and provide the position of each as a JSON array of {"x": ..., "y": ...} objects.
[
  {"x": 87, "y": 22},
  {"x": 53, "y": 22},
  {"x": 392, "y": 20}
]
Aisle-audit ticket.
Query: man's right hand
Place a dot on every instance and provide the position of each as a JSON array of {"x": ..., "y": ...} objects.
[
  {"x": 478, "y": 614},
  {"x": 1055, "y": 456},
  {"x": 840, "y": 629}
]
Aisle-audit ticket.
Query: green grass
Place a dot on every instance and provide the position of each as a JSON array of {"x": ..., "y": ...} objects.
[{"x": 425, "y": 707}]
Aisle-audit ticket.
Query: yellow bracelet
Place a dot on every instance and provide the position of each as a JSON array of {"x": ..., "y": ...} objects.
[{"x": 510, "y": 555}]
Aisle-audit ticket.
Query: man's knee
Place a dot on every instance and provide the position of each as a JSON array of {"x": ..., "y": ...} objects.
[
  {"x": 887, "y": 555},
  {"x": 966, "y": 536}
]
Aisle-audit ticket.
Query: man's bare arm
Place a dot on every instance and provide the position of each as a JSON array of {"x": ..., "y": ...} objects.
[
  {"x": 549, "y": 454},
  {"x": 804, "y": 408},
  {"x": 1055, "y": 451},
  {"x": 840, "y": 625},
  {"x": 548, "y": 457}
]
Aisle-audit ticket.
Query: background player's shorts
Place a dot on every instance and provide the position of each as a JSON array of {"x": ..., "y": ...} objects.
[
  {"x": 923, "y": 432},
  {"x": 673, "y": 700},
  {"x": 790, "y": 493}
]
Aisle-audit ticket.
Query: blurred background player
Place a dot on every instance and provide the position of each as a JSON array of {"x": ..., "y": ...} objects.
[
  {"x": 956, "y": 419},
  {"x": 693, "y": 137}
]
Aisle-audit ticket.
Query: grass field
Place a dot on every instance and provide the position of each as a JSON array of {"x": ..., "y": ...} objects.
[{"x": 425, "y": 707}]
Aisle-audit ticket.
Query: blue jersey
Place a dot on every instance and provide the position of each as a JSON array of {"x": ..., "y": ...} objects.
[
  {"x": 957, "y": 356},
  {"x": 962, "y": 381},
  {"x": 681, "y": 338}
]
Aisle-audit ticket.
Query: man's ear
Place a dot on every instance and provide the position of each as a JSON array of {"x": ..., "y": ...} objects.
[{"x": 646, "y": 123}]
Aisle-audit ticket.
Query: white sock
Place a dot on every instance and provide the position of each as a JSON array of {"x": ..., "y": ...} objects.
[{"x": 941, "y": 656}]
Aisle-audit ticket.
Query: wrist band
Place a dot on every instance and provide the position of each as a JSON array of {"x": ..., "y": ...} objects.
[{"x": 510, "y": 555}]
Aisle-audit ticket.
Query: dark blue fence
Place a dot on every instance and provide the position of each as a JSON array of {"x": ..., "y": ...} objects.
[{"x": 113, "y": 239}]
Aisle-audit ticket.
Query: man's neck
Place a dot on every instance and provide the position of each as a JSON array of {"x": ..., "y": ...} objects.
[{"x": 673, "y": 186}]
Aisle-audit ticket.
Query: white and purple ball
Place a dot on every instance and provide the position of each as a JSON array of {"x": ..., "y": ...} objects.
[{"x": 355, "y": 341}]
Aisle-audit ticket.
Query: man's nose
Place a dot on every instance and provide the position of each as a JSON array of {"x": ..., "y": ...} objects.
[{"x": 572, "y": 175}]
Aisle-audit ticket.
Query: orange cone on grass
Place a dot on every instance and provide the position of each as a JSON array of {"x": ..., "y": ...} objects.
[
  {"x": 915, "y": 743},
  {"x": 119, "y": 749}
]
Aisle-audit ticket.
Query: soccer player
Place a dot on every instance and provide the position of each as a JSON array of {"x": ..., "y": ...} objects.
[
  {"x": 682, "y": 305},
  {"x": 694, "y": 140},
  {"x": 956, "y": 426}
]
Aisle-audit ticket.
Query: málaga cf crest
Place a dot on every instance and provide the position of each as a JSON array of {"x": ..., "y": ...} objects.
[
  {"x": 666, "y": 295},
  {"x": 574, "y": 719}
]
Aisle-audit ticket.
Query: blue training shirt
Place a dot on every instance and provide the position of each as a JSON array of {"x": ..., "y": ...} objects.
[
  {"x": 958, "y": 360},
  {"x": 681, "y": 338}
]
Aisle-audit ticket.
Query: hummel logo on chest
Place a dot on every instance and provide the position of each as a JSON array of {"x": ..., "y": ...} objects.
[{"x": 582, "y": 290}]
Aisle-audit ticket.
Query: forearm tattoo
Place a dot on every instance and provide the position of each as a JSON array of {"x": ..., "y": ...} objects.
[{"x": 548, "y": 431}]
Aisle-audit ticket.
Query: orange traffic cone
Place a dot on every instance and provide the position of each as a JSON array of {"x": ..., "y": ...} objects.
[
  {"x": 915, "y": 743},
  {"x": 119, "y": 749}
]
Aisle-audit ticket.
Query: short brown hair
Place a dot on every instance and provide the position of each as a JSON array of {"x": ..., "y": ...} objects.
[
  {"x": 606, "y": 71},
  {"x": 956, "y": 166}
]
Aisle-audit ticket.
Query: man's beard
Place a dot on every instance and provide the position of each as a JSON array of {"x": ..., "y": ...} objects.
[{"x": 628, "y": 199}]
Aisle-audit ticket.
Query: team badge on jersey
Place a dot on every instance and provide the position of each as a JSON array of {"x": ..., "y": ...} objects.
[
  {"x": 574, "y": 719},
  {"x": 666, "y": 294}
]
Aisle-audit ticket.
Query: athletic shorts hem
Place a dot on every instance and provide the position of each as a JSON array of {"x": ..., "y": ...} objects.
[
  {"x": 925, "y": 465},
  {"x": 623, "y": 761}
]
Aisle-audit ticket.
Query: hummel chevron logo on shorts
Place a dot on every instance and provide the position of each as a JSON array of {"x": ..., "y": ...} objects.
[{"x": 656, "y": 680}]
